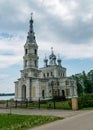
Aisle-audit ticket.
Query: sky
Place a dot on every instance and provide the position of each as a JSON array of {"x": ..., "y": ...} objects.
[{"x": 65, "y": 25}]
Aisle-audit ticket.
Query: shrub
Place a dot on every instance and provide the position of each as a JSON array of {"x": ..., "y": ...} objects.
[{"x": 85, "y": 101}]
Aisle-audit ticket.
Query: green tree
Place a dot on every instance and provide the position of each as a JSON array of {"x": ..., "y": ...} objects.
[
  {"x": 88, "y": 88},
  {"x": 80, "y": 89}
]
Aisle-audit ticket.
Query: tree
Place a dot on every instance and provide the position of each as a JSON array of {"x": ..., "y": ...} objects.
[
  {"x": 80, "y": 89},
  {"x": 84, "y": 83},
  {"x": 87, "y": 83}
]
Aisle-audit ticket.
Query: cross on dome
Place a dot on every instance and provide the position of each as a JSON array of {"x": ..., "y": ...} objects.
[
  {"x": 31, "y": 15},
  {"x": 52, "y": 50}
]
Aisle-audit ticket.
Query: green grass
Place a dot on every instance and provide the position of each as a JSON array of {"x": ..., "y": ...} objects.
[
  {"x": 87, "y": 108},
  {"x": 23, "y": 122}
]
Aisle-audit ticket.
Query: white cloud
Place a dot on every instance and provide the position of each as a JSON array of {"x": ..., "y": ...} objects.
[
  {"x": 68, "y": 50},
  {"x": 11, "y": 51},
  {"x": 3, "y": 76},
  {"x": 62, "y": 9},
  {"x": 7, "y": 84}
]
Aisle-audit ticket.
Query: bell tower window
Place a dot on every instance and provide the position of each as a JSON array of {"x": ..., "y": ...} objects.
[
  {"x": 26, "y": 51},
  {"x": 35, "y": 51}
]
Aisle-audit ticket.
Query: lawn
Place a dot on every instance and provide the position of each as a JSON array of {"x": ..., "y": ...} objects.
[{"x": 23, "y": 122}]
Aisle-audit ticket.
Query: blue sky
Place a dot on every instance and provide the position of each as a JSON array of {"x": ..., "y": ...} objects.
[{"x": 65, "y": 25}]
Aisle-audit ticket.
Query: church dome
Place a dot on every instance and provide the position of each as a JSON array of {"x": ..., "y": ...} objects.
[
  {"x": 52, "y": 58},
  {"x": 52, "y": 54}
]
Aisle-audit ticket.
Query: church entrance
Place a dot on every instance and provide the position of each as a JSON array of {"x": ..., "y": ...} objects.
[
  {"x": 23, "y": 92},
  {"x": 43, "y": 93},
  {"x": 63, "y": 93}
]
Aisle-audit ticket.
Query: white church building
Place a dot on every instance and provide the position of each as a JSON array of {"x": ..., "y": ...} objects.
[{"x": 42, "y": 83}]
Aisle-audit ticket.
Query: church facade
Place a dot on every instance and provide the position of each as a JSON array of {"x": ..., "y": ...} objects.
[{"x": 42, "y": 83}]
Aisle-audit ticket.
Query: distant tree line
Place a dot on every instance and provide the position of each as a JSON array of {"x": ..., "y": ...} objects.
[
  {"x": 7, "y": 94},
  {"x": 84, "y": 82}
]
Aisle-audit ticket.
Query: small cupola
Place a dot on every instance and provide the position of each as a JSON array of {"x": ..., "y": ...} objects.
[
  {"x": 52, "y": 57},
  {"x": 45, "y": 62},
  {"x": 59, "y": 60}
]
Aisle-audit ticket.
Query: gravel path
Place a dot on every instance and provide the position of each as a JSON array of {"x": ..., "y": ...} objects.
[{"x": 61, "y": 113}]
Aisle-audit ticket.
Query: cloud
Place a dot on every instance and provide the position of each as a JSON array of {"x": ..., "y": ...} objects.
[
  {"x": 70, "y": 21},
  {"x": 3, "y": 76},
  {"x": 11, "y": 51},
  {"x": 57, "y": 20},
  {"x": 59, "y": 24},
  {"x": 68, "y": 50},
  {"x": 6, "y": 84}
]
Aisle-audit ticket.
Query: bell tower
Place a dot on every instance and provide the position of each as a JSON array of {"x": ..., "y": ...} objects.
[{"x": 31, "y": 48}]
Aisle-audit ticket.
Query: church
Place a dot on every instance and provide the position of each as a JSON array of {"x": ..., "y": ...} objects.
[{"x": 44, "y": 83}]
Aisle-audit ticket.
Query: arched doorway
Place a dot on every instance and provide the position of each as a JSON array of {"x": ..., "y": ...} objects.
[
  {"x": 23, "y": 92},
  {"x": 63, "y": 93},
  {"x": 43, "y": 93}
]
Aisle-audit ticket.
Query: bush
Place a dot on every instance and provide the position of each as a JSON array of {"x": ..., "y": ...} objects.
[{"x": 85, "y": 101}]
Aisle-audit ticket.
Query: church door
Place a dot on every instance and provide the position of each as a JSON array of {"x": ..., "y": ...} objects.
[
  {"x": 43, "y": 93},
  {"x": 63, "y": 93}
]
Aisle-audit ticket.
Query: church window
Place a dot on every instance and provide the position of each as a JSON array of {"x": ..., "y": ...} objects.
[
  {"x": 50, "y": 91},
  {"x": 44, "y": 75},
  {"x": 63, "y": 93},
  {"x": 34, "y": 37},
  {"x": 35, "y": 51},
  {"x": 67, "y": 82},
  {"x": 67, "y": 92},
  {"x": 26, "y": 51},
  {"x": 43, "y": 93},
  {"x": 47, "y": 74},
  {"x": 51, "y": 74},
  {"x": 31, "y": 31}
]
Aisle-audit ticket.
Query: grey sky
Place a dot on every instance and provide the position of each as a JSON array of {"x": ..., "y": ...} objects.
[{"x": 65, "y": 25}]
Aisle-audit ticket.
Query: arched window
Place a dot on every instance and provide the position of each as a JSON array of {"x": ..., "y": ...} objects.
[
  {"x": 51, "y": 74},
  {"x": 47, "y": 74},
  {"x": 26, "y": 51},
  {"x": 35, "y": 51},
  {"x": 44, "y": 75},
  {"x": 43, "y": 93},
  {"x": 63, "y": 93}
]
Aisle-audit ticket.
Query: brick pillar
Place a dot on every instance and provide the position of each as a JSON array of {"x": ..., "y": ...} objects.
[{"x": 74, "y": 103}]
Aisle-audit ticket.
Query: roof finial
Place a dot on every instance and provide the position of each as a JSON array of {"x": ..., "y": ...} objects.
[
  {"x": 31, "y": 15},
  {"x": 58, "y": 56},
  {"x": 52, "y": 50}
]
